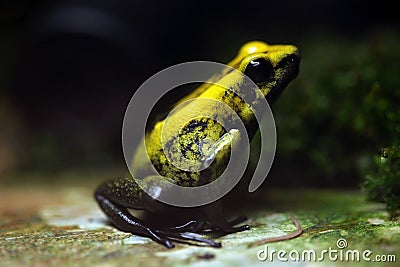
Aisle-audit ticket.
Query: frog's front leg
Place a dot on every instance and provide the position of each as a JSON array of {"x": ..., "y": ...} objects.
[
  {"x": 220, "y": 154},
  {"x": 116, "y": 196}
]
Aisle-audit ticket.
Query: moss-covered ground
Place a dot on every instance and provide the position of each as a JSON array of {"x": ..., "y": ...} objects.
[{"x": 53, "y": 227}]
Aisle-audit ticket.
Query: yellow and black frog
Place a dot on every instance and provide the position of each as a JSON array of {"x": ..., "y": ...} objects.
[{"x": 271, "y": 68}]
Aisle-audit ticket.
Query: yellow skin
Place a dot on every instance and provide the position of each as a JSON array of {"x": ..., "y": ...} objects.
[{"x": 271, "y": 67}]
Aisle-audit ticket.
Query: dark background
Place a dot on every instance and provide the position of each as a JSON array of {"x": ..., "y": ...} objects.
[{"x": 69, "y": 69}]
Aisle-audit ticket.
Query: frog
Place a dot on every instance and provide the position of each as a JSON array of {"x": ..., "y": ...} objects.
[{"x": 271, "y": 67}]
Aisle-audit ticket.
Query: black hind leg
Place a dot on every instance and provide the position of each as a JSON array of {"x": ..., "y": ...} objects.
[{"x": 116, "y": 196}]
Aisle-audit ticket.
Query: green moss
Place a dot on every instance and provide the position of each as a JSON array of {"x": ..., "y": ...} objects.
[
  {"x": 383, "y": 184},
  {"x": 66, "y": 233},
  {"x": 340, "y": 110}
]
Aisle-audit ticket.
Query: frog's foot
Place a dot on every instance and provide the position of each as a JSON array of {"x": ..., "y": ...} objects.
[
  {"x": 221, "y": 228},
  {"x": 188, "y": 231},
  {"x": 196, "y": 226},
  {"x": 229, "y": 229},
  {"x": 230, "y": 225},
  {"x": 192, "y": 226},
  {"x": 186, "y": 236},
  {"x": 125, "y": 221},
  {"x": 237, "y": 220}
]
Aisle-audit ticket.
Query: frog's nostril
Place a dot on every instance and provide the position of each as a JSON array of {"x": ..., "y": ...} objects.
[
  {"x": 291, "y": 64},
  {"x": 292, "y": 59}
]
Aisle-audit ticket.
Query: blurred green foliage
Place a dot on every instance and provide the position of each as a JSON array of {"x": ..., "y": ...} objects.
[
  {"x": 341, "y": 110},
  {"x": 331, "y": 121},
  {"x": 383, "y": 184}
]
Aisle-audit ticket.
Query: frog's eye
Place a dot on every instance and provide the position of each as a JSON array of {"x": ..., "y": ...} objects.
[{"x": 259, "y": 70}]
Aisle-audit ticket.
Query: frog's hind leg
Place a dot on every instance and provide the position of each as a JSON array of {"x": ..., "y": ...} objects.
[
  {"x": 119, "y": 215},
  {"x": 116, "y": 196}
]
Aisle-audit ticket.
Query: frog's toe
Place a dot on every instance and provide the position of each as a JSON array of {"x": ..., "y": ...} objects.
[
  {"x": 240, "y": 228},
  {"x": 168, "y": 243},
  {"x": 184, "y": 236},
  {"x": 231, "y": 229},
  {"x": 192, "y": 226},
  {"x": 161, "y": 240},
  {"x": 237, "y": 220},
  {"x": 229, "y": 226}
]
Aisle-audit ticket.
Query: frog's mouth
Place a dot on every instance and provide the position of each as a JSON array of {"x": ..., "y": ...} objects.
[{"x": 288, "y": 69}]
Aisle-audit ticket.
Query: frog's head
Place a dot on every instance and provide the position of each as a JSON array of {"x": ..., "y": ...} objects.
[{"x": 271, "y": 67}]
